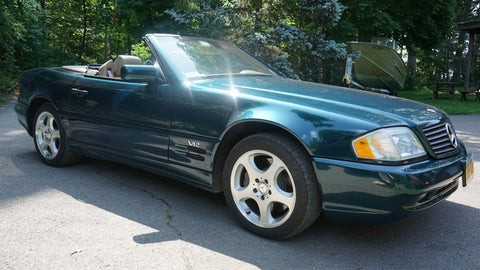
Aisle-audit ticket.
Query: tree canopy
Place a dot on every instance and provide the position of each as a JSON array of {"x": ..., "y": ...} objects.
[{"x": 300, "y": 38}]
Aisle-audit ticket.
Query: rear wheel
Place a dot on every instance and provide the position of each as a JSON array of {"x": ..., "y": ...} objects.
[
  {"x": 50, "y": 139},
  {"x": 270, "y": 186}
]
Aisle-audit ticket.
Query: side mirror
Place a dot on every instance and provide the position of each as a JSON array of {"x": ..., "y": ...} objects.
[{"x": 139, "y": 73}]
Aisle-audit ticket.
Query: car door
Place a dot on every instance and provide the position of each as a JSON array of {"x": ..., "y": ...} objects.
[
  {"x": 121, "y": 120},
  {"x": 198, "y": 121}
]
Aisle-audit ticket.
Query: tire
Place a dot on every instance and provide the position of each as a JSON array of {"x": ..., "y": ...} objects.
[
  {"x": 50, "y": 140},
  {"x": 270, "y": 186}
]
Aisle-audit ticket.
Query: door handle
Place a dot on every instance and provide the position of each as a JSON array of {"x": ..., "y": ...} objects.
[{"x": 79, "y": 92}]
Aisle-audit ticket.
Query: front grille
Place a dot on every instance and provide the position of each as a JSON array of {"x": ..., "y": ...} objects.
[{"x": 439, "y": 140}]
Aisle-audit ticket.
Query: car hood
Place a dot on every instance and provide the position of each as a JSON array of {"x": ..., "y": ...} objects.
[{"x": 379, "y": 109}]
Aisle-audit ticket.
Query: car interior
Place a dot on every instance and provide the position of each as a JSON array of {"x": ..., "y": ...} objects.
[
  {"x": 110, "y": 69},
  {"x": 113, "y": 69}
]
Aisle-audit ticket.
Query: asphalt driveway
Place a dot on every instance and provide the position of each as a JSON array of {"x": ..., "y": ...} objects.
[{"x": 103, "y": 215}]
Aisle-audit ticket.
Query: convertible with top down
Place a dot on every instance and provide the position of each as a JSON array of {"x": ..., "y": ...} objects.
[{"x": 282, "y": 151}]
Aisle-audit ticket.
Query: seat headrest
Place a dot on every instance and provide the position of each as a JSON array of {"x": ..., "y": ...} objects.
[
  {"x": 124, "y": 60},
  {"x": 105, "y": 70}
]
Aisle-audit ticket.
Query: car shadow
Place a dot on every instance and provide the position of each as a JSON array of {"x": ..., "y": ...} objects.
[{"x": 179, "y": 212}]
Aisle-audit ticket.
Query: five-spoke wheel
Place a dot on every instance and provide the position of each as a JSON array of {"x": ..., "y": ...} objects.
[
  {"x": 270, "y": 186},
  {"x": 262, "y": 188},
  {"x": 50, "y": 139},
  {"x": 47, "y": 135}
]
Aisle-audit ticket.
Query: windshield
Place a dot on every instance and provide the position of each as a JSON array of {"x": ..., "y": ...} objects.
[{"x": 200, "y": 58}]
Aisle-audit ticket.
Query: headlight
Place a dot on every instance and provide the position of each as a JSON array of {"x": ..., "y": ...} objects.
[{"x": 389, "y": 144}]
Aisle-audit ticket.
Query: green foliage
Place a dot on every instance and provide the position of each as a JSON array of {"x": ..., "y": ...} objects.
[
  {"x": 20, "y": 38},
  {"x": 51, "y": 33},
  {"x": 300, "y": 38},
  {"x": 363, "y": 20},
  {"x": 141, "y": 50},
  {"x": 426, "y": 24},
  {"x": 445, "y": 60},
  {"x": 288, "y": 35}
]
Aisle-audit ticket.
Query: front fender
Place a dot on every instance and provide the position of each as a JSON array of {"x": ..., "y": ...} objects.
[{"x": 323, "y": 134}]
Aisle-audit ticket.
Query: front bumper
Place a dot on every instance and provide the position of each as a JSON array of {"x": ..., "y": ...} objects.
[{"x": 364, "y": 193}]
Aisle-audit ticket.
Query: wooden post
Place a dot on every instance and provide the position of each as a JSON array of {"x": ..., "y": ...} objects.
[
  {"x": 468, "y": 64},
  {"x": 472, "y": 27}
]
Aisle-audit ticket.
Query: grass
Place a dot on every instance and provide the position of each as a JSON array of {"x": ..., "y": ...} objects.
[{"x": 444, "y": 102}]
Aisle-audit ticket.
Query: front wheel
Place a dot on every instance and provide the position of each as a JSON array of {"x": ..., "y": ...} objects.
[
  {"x": 50, "y": 139},
  {"x": 270, "y": 186}
]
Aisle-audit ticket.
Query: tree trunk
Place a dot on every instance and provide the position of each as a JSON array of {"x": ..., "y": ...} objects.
[
  {"x": 258, "y": 5},
  {"x": 258, "y": 19},
  {"x": 84, "y": 36},
  {"x": 106, "y": 43},
  {"x": 412, "y": 60},
  {"x": 459, "y": 58},
  {"x": 468, "y": 64}
]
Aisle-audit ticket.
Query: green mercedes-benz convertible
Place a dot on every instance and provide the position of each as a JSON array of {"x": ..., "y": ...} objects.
[{"x": 282, "y": 151}]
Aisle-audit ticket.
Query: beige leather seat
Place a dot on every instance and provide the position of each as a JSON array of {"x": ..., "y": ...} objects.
[
  {"x": 124, "y": 60},
  {"x": 106, "y": 70}
]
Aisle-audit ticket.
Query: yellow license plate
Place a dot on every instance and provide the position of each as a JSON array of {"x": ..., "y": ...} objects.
[{"x": 468, "y": 174}]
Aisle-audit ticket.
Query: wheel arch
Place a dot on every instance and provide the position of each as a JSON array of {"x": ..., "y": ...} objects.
[
  {"x": 35, "y": 103},
  {"x": 238, "y": 132}
]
